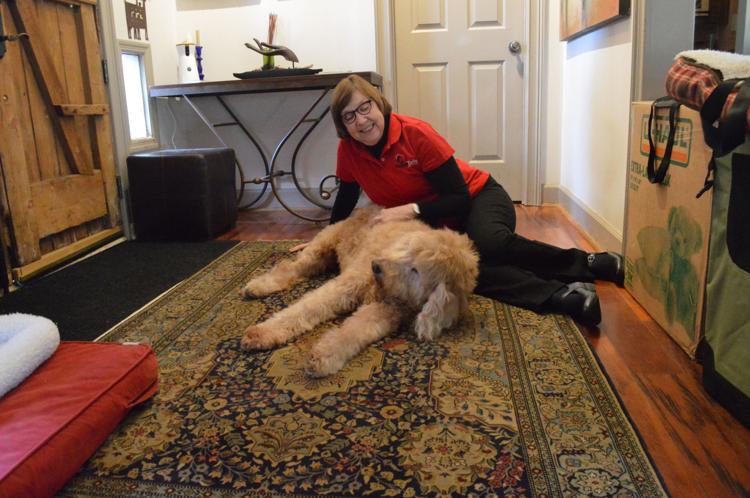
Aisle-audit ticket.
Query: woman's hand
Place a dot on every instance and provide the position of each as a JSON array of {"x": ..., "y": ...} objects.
[
  {"x": 398, "y": 213},
  {"x": 299, "y": 247}
]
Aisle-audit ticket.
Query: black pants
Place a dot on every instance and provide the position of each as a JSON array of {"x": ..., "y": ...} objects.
[{"x": 512, "y": 268}]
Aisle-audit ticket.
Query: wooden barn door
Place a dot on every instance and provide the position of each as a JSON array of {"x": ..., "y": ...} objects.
[{"x": 59, "y": 183}]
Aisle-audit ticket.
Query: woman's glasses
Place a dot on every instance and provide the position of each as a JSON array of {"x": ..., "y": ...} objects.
[{"x": 362, "y": 109}]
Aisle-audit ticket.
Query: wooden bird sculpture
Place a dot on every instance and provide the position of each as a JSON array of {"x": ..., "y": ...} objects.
[{"x": 270, "y": 50}]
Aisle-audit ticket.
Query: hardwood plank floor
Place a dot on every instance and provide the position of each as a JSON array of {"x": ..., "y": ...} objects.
[{"x": 699, "y": 449}]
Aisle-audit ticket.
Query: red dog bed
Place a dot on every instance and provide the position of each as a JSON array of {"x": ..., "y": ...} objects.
[{"x": 57, "y": 418}]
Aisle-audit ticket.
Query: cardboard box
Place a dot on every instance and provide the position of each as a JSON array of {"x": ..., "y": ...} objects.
[{"x": 666, "y": 227}]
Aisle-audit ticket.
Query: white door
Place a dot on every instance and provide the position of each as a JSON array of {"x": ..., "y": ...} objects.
[{"x": 455, "y": 70}]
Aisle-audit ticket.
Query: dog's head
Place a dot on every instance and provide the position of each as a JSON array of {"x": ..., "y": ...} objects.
[
  {"x": 432, "y": 272},
  {"x": 685, "y": 233}
]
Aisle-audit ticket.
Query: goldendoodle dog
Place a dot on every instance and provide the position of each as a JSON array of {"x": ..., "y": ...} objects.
[{"x": 390, "y": 273}]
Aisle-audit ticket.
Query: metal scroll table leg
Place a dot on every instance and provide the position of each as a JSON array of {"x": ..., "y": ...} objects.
[
  {"x": 270, "y": 168},
  {"x": 257, "y": 180},
  {"x": 243, "y": 182},
  {"x": 324, "y": 194},
  {"x": 273, "y": 173}
]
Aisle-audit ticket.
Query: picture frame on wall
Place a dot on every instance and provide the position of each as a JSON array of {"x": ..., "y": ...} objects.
[{"x": 578, "y": 17}]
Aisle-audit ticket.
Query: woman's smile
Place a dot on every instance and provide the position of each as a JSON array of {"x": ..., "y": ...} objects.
[{"x": 366, "y": 128}]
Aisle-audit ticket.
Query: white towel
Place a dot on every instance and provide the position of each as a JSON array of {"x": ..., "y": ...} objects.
[{"x": 26, "y": 341}]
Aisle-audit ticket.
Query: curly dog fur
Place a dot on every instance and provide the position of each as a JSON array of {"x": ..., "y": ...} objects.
[{"x": 390, "y": 273}]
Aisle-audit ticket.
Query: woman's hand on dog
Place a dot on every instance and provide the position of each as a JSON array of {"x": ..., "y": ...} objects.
[
  {"x": 299, "y": 247},
  {"x": 398, "y": 213}
]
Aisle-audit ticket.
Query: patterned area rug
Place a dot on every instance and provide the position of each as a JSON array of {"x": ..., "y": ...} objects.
[{"x": 510, "y": 404}]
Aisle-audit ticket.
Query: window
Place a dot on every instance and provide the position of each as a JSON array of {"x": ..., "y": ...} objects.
[
  {"x": 136, "y": 96},
  {"x": 135, "y": 74}
]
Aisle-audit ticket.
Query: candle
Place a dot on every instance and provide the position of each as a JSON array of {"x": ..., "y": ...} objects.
[{"x": 197, "y": 37}]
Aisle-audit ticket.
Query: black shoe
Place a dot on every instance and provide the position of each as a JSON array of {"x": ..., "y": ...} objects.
[
  {"x": 607, "y": 266},
  {"x": 579, "y": 300}
]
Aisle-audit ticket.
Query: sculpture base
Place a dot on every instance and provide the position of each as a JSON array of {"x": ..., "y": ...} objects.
[{"x": 273, "y": 73}]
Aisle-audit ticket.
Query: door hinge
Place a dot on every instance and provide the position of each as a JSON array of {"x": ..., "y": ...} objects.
[
  {"x": 119, "y": 187},
  {"x": 105, "y": 71}
]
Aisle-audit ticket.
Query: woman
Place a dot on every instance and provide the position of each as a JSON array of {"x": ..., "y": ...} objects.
[{"x": 404, "y": 165}]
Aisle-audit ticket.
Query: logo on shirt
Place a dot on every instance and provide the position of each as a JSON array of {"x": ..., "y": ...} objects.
[{"x": 402, "y": 162}]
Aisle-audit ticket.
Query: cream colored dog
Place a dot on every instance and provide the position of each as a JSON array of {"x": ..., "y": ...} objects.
[{"x": 390, "y": 273}]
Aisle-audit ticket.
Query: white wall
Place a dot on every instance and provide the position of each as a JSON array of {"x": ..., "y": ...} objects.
[
  {"x": 160, "y": 18},
  {"x": 595, "y": 120},
  {"x": 335, "y": 35},
  {"x": 589, "y": 95},
  {"x": 554, "y": 78},
  {"x": 118, "y": 12}
]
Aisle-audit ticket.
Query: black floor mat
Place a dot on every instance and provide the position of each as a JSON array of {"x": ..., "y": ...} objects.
[{"x": 89, "y": 297}]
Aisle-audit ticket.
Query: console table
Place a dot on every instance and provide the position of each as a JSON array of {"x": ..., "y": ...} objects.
[{"x": 324, "y": 82}]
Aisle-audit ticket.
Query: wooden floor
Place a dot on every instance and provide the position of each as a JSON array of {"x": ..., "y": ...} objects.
[{"x": 699, "y": 449}]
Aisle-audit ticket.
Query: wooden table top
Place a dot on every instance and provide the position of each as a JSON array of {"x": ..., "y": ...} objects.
[{"x": 256, "y": 85}]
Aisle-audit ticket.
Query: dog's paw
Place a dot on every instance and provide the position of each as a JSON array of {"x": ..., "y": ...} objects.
[
  {"x": 426, "y": 332},
  {"x": 253, "y": 289},
  {"x": 260, "y": 337},
  {"x": 321, "y": 364}
]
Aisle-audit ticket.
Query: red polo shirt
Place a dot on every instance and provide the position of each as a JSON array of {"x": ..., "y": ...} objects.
[{"x": 413, "y": 148}]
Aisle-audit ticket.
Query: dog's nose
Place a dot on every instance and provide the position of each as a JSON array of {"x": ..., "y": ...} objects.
[{"x": 376, "y": 269}]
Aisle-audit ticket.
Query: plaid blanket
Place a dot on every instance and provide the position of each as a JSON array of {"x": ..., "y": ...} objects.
[{"x": 690, "y": 83}]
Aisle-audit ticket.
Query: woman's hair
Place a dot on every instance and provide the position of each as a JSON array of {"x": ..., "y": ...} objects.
[{"x": 343, "y": 93}]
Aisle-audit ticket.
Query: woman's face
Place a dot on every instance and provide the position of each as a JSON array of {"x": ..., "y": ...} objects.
[{"x": 366, "y": 125}]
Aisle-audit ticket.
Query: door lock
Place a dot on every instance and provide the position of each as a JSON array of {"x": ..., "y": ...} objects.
[
  {"x": 4, "y": 37},
  {"x": 10, "y": 38},
  {"x": 13, "y": 37}
]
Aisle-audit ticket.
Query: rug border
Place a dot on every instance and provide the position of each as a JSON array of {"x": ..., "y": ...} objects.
[
  {"x": 514, "y": 357},
  {"x": 613, "y": 390}
]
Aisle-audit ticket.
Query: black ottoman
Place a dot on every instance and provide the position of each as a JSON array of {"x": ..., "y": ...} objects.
[{"x": 182, "y": 194}]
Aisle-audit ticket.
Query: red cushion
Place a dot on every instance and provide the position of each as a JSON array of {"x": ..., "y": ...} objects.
[{"x": 57, "y": 418}]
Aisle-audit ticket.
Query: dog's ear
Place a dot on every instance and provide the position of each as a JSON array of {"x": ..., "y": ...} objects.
[
  {"x": 439, "y": 312},
  {"x": 463, "y": 268}
]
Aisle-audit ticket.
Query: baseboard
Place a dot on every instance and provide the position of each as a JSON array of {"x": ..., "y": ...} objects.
[
  {"x": 289, "y": 195},
  {"x": 601, "y": 233},
  {"x": 292, "y": 198}
]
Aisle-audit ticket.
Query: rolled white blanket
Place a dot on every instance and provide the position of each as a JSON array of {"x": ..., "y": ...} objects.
[{"x": 26, "y": 341}]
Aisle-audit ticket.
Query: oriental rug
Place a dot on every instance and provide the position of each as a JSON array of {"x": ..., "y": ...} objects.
[{"x": 510, "y": 403}]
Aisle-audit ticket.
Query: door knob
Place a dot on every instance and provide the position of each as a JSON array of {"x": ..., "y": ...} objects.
[{"x": 514, "y": 47}]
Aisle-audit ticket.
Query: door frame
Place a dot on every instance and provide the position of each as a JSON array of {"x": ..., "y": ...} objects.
[
  {"x": 534, "y": 108},
  {"x": 111, "y": 49},
  {"x": 116, "y": 103}
]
